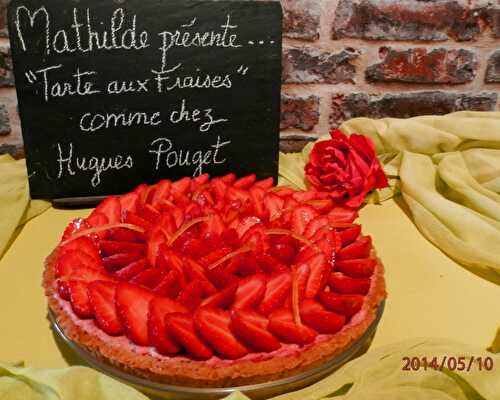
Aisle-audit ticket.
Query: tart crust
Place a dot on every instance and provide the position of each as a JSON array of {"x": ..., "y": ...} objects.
[{"x": 146, "y": 363}]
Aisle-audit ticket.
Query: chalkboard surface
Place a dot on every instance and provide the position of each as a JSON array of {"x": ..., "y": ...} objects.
[{"x": 115, "y": 93}]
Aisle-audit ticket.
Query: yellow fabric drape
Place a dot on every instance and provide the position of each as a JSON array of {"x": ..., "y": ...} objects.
[{"x": 15, "y": 205}]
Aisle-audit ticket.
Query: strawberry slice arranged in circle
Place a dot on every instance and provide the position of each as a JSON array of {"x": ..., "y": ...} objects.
[
  {"x": 250, "y": 291},
  {"x": 102, "y": 300},
  {"x": 341, "y": 283},
  {"x": 132, "y": 305},
  {"x": 181, "y": 327},
  {"x": 252, "y": 328},
  {"x": 214, "y": 326},
  {"x": 346, "y": 304},
  {"x": 277, "y": 290},
  {"x": 158, "y": 335},
  {"x": 282, "y": 324},
  {"x": 357, "y": 267},
  {"x": 359, "y": 249},
  {"x": 314, "y": 315}
]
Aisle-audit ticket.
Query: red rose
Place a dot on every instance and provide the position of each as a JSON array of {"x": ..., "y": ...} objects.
[{"x": 346, "y": 167}]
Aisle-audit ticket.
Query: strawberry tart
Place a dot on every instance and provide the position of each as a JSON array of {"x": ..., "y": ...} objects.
[{"x": 215, "y": 282}]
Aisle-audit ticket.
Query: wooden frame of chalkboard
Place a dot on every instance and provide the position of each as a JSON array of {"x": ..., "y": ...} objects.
[{"x": 115, "y": 93}]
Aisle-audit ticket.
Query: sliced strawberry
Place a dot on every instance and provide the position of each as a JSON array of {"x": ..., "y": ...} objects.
[
  {"x": 302, "y": 197},
  {"x": 213, "y": 326},
  {"x": 301, "y": 216},
  {"x": 158, "y": 335},
  {"x": 149, "y": 278},
  {"x": 75, "y": 226},
  {"x": 306, "y": 253},
  {"x": 357, "y": 268},
  {"x": 256, "y": 236},
  {"x": 128, "y": 202},
  {"x": 244, "y": 265},
  {"x": 182, "y": 186},
  {"x": 245, "y": 182},
  {"x": 102, "y": 301},
  {"x": 341, "y": 214},
  {"x": 234, "y": 194},
  {"x": 161, "y": 193},
  {"x": 126, "y": 235},
  {"x": 314, "y": 315},
  {"x": 191, "y": 295},
  {"x": 131, "y": 270},
  {"x": 316, "y": 224},
  {"x": 345, "y": 285},
  {"x": 132, "y": 305},
  {"x": 277, "y": 289},
  {"x": 82, "y": 273},
  {"x": 251, "y": 328},
  {"x": 63, "y": 289},
  {"x": 265, "y": 184},
  {"x": 282, "y": 324},
  {"x": 142, "y": 192},
  {"x": 318, "y": 278},
  {"x": 349, "y": 235},
  {"x": 346, "y": 304},
  {"x": 228, "y": 179},
  {"x": 169, "y": 260},
  {"x": 359, "y": 249},
  {"x": 83, "y": 244},
  {"x": 222, "y": 299},
  {"x": 201, "y": 179},
  {"x": 181, "y": 328},
  {"x": 221, "y": 277},
  {"x": 167, "y": 223},
  {"x": 70, "y": 259},
  {"x": 178, "y": 214},
  {"x": 79, "y": 298},
  {"x": 118, "y": 261},
  {"x": 269, "y": 264},
  {"x": 149, "y": 213},
  {"x": 156, "y": 238},
  {"x": 111, "y": 208},
  {"x": 219, "y": 189},
  {"x": 283, "y": 191},
  {"x": 214, "y": 256},
  {"x": 110, "y": 247},
  {"x": 169, "y": 284},
  {"x": 230, "y": 238},
  {"x": 250, "y": 291},
  {"x": 323, "y": 206},
  {"x": 284, "y": 248},
  {"x": 134, "y": 219},
  {"x": 247, "y": 223},
  {"x": 214, "y": 225},
  {"x": 274, "y": 205},
  {"x": 195, "y": 272}
]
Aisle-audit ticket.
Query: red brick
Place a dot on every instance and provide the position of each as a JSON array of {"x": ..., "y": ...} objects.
[
  {"x": 293, "y": 144},
  {"x": 494, "y": 20},
  {"x": 301, "y": 19},
  {"x": 299, "y": 112},
  {"x": 408, "y": 20},
  {"x": 6, "y": 73},
  {"x": 3, "y": 18},
  {"x": 418, "y": 65},
  {"x": 407, "y": 105},
  {"x": 493, "y": 69},
  {"x": 309, "y": 65},
  {"x": 4, "y": 121}
]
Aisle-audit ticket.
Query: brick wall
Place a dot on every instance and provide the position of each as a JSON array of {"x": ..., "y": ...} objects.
[{"x": 350, "y": 58}]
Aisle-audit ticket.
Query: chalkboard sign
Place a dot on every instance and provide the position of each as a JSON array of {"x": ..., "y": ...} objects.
[{"x": 115, "y": 93}]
